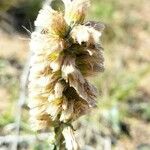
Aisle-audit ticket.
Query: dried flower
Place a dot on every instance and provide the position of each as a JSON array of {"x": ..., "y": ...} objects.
[{"x": 65, "y": 53}]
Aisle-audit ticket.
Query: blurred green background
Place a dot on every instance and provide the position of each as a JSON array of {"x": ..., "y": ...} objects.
[{"x": 122, "y": 118}]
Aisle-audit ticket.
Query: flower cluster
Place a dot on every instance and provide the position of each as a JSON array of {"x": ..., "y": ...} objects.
[{"x": 65, "y": 52}]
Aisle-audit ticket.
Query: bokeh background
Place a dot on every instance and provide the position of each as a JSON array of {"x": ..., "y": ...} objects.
[{"x": 122, "y": 119}]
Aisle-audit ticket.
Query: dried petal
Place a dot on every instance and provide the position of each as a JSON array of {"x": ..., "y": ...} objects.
[
  {"x": 96, "y": 25},
  {"x": 85, "y": 34},
  {"x": 77, "y": 81},
  {"x": 75, "y": 11},
  {"x": 51, "y": 21}
]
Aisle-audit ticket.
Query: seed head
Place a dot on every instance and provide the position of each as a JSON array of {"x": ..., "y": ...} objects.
[{"x": 65, "y": 52}]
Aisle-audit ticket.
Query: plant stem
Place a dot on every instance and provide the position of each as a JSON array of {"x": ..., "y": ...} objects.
[
  {"x": 64, "y": 138},
  {"x": 59, "y": 138}
]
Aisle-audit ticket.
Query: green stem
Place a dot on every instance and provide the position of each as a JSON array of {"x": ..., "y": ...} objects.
[
  {"x": 59, "y": 138},
  {"x": 64, "y": 137}
]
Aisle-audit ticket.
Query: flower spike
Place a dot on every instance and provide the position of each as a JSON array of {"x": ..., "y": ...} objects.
[{"x": 65, "y": 52}]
